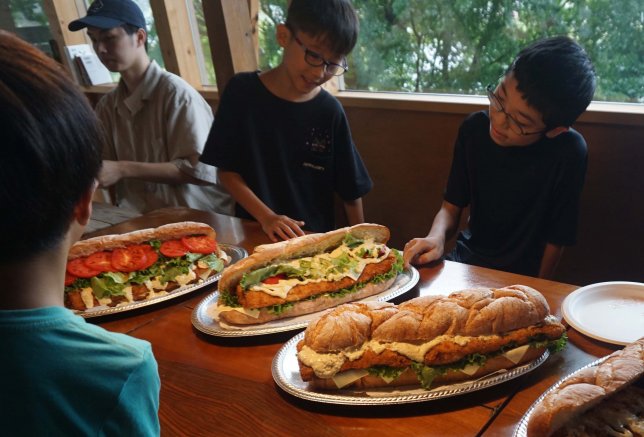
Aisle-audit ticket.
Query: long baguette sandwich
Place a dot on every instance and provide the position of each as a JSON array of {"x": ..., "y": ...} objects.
[
  {"x": 308, "y": 274},
  {"x": 119, "y": 269},
  {"x": 429, "y": 340},
  {"x": 597, "y": 401}
]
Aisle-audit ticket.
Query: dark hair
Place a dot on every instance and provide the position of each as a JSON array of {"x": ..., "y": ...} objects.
[
  {"x": 555, "y": 76},
  {"x": 50, "y": 152},
  {"x": 131, "y": 29},
  {"x": 335, "y": 21}
]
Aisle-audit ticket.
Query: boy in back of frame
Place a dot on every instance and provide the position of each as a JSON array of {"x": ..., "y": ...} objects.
[
  {"x": 281, "y": 143},
  {"x": 58, "y": 374},
  {"x": 519, "y": 167}
]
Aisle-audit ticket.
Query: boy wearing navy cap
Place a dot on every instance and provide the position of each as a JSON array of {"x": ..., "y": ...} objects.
[{"x": 156, "y": 123}]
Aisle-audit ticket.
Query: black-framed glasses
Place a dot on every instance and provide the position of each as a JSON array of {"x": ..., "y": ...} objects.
[
  {"x": 515, "y": 126},
  {"x": 315, "y": 59}
]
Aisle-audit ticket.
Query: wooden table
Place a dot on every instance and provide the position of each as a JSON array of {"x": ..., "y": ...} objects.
[{"x": 223, "y": 386}]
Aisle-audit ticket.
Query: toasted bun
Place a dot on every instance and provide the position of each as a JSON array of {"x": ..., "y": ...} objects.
[
  {"x": 303, "y": 307},
  {"x": 299, "y": 247},
  {"x": 587, "y": 389},
  {"x": 475, "y": 312},
  {"x": 166, "y": 232},
  {"x": 409, "y": 378}
]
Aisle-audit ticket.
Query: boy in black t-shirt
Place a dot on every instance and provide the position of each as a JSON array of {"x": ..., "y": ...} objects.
[
  {"x": 282, "y": 144},
  {"x": 519, "y": 167}
]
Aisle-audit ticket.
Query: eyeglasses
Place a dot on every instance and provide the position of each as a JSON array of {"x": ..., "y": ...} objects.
[
  {"x": 515, "y": 126},
  {"x": 314, "y": 59}
]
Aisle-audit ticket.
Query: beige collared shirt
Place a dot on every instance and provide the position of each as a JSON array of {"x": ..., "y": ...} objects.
[{"x": 163, "y": 120}]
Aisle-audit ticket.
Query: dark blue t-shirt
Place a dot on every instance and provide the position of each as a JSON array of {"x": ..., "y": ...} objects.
[
  {"x": 293, "y": 156},
  {"x": 520, "y": 198}
]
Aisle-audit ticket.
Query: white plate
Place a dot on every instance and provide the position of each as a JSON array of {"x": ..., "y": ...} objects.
[
  {"x": 236, "y": 253},
  {"x": 608, "y": 311},
  {"x": 203, "y": 320},
  {"x": 286, "y": 374},
  {"x": 522, "y": 428}
]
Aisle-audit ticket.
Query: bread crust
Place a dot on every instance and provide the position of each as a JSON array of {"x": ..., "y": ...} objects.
[
  {"x": 165, "y": 232},
  {"x": 303, "y": 307},
  {"x": 587, "y": 389}
]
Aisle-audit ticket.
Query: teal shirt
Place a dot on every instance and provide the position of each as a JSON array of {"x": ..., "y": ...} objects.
[{"x": 62, "y": 376}]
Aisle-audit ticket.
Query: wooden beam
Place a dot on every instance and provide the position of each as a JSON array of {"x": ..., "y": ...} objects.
[
  {"x": 231, "y": 38},
  {"x": 60, "y": 13},
  {"x": 176, "y": 39}
]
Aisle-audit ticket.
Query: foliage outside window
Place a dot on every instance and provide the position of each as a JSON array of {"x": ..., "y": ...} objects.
[
  {"x": 27, "y": 19},
  {"x": 203, "y": 43},
  {"x": 459, "y": 46}
]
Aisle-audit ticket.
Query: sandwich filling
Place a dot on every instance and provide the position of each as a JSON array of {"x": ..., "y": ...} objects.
[{"x": 337, "y": 272}]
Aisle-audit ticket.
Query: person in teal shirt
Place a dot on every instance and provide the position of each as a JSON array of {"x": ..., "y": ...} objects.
[{"x": 58, "y": 374}]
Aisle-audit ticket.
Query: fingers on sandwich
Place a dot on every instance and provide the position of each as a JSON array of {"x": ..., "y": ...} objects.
[
  {"x": 308, "y": 274},
  {"x": 429, "y": 340},
  {"x": 120, "y": 269},
  {"x": 600, "y": 400}
]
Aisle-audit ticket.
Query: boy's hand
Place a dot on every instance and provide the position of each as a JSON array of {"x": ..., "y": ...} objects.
[
  {"x": 423, "y": 250},
  {"x": 281, "y": 227}
]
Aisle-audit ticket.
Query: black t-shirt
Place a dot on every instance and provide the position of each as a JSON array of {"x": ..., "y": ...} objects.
[
  {"x": 293, "y": 156},
  {"x": 520, "y": 198}
]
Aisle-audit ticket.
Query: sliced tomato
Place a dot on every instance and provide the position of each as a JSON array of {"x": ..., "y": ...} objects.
[
  {"x": 200, "y": 244},
  {"x": 78, "y": 268},
  {"x": 101, "y": 261},
  {"x": 145, "y": 247},
  {"x": 130, "y": 259},
  {"x": 274, "y": 279},
  {"x": 173, "y": 248},
  {"x": 151, "y": 257},
  {"x": 69, "y": 279}
]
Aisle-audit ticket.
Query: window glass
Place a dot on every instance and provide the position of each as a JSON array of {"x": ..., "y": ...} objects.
[
  {"x": 202, "y": 43},
  {"x": 27, "y": 19},
  {"x": 435, "y": 46}
]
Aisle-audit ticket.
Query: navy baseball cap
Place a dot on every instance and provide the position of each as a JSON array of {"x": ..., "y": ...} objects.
[{"x": 108, "y": 14}]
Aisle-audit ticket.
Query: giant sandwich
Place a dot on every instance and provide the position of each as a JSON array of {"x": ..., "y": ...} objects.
[
  {"x": 599, "y": 400},
  {"x": 307, "y": 274},
  {"x": 429, "y": 340},
  {"x": 114, "y": 270}
]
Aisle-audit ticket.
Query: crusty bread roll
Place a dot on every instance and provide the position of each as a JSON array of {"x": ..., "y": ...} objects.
[
  {"x": 431, "y": 330},
  {"x": 299, "y": 247},
  {"x": 316, "y": 298},
  {"x": 591, "y": 387},
  {"x": 162, "y": 233}
]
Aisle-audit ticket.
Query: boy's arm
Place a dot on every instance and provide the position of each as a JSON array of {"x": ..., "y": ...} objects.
[
  {"x": 158, "y": 172},
  {"x": 551, "y": 256},
  {"x": 353, "y": 210},
  {"x": 274, "y": 225},
  {"x": 432, "y": 247}
]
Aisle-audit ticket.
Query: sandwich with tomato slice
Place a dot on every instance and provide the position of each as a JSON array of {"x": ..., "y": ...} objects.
[
  {"x": 113, "y": 270},
  {"x": 307, "y": 274},
  {"x": 429, "y": 340}
]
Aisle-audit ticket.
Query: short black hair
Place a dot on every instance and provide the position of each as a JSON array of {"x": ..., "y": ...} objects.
[
  {"x": 555, "y": 76},
  {"x": 50, "y": 152},
  {"x": 131, "y": 29},
  {"x": 335, "y": 21}
]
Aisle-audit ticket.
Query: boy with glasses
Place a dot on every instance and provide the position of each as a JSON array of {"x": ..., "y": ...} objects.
[
  {"x": 281, "y": 143},
  {"x": 519, "y": 167}
]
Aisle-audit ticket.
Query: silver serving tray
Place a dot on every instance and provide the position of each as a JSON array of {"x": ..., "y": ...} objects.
[
  {"x": 522, "y": 428},
  {"x": 286, "y": 374},
  {"x": 236, "y": 253},
  {"x": 202, "y": 316}
]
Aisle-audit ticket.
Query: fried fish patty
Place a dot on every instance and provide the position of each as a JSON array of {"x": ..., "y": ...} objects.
[{"x": 259, "y": 299}]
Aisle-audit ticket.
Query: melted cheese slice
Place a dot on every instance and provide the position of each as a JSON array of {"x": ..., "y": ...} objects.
[
  {"x": 345, "y": 378},
  {"x": 254, "y": 313},
  {"x": 320, "y": 265}
]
